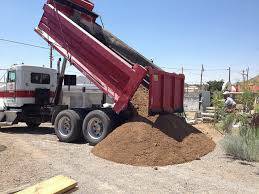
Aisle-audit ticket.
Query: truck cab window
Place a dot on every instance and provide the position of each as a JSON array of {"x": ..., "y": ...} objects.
[
  {"x": 36, "y": 78},
  {"x": 11, "y": 76},
  {"x": 40, "y": 78},
  {"x": 45, "y": 79}
]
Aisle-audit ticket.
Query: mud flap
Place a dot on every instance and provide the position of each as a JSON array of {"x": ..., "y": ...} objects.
[{"x": 2, "y": 116}]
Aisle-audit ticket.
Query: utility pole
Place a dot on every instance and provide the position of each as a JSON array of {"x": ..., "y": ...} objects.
[
  {"x": 229, "y": 75},
  {"x": 51, "y": 56},
  {"x": 247, "y": 74},
  {"x": 202, "y": 71},
  {"x": 58, "y": 65},
  {"x": 244, "y": 74}
]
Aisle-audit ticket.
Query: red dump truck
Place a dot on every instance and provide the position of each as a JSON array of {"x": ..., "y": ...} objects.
[{"x": 70, "y": 27}]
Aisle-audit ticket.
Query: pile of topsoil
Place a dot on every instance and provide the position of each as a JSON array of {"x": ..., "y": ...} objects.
[{"x": 153, "y": 141}]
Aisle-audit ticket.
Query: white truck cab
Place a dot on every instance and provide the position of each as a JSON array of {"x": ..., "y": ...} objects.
[
  {"x": 22, "y": 82},
  {"x": 30, "y": 93}
]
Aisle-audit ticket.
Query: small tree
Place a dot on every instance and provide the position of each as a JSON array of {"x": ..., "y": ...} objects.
[
  {"x": 215, "y": 85},
  {"x": 247, "y": 99},
  {"x": 218, "y": 103}
]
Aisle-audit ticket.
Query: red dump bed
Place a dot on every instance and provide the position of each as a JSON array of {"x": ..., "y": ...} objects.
[
  {"x": 166, "y": 92},
  {"x": 109, "y": 71}
]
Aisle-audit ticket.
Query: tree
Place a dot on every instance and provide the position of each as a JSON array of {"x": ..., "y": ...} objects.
[
  {"x": 214, "y": 86},
  {"x": 247, "y": 99}
]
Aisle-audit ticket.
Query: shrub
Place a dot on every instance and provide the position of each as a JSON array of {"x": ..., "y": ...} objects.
[
  {"x": 245, "y": 144},
  {"x": 247, "y": 99},
  {"x": 226, "y": 123},
  {"x": 240, "y": 148},
  {"x": 215, "y": 85},
  {"x": 257, "y": 108},
  {"x": 218, "y": 103}
]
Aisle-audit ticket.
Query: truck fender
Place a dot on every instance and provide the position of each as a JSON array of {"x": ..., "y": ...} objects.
[{"x": 56, "y": 110}]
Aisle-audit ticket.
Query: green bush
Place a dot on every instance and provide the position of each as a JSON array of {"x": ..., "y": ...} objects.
[
  {"x": 218, "y": 103},
  {"x": 226, "y": 123},
  {"x": 256, "y": 108},
  {"x": 240, "y": 148},
  {"x": 215, "y": 85},
  {"x": 247, "y": 99},
  {"x": 245, "y": 144}
]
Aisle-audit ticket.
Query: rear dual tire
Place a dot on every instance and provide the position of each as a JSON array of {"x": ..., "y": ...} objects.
[
  {"x": 68, "y": 126},
  {"x": 96, "y": 126}
]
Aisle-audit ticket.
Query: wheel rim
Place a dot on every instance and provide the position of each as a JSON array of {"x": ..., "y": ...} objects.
[
  {"x": 95, "y": 128},
  {"x": 64, "y": 126}
]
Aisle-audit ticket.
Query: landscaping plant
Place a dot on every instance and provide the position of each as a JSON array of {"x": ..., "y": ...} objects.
[
  {"x": 218, "y": 103},
  {"x": 244, "y": 144}
]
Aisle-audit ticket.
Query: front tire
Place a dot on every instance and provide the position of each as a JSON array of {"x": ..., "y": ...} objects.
[
  {"x": 68, "y": 126},
  {"x": 96, "y": 126}
]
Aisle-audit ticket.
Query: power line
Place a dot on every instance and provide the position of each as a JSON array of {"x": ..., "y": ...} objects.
[
  {"x": 169, "y": 67},
  {"x": 188, "y": 69},
  {"x": 22, "y": 43},
  {"x": 216, "y": 70}
]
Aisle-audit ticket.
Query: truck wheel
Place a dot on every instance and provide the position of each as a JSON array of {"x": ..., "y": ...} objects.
[
  {"x": 32, "y": 124},
  {"x": 68, "y": 126},
  {"x": 96, "y": 126}
]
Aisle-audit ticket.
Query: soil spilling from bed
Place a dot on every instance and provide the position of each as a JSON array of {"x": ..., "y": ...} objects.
[{"x": 153, "y": 141}]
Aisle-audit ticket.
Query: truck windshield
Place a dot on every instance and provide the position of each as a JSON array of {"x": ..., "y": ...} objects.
[{"x": 11, "y": 76}]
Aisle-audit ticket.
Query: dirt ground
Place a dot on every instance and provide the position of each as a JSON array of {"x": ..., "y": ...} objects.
[{"x": 29, "y": 156}]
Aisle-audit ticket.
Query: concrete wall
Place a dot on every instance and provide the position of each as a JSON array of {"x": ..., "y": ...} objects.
[{"x": 191, "y": 101}]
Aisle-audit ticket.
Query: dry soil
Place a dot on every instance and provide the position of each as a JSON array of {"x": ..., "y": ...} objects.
[{"x": 153, "y": 141}]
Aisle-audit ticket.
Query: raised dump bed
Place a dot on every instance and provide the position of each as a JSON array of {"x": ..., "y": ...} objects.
[
  {"x": 110, "y": 72},
  {"x": 107, "y": 70}
]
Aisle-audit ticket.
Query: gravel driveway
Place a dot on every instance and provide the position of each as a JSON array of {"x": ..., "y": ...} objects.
[{"x": 34, "y": 155}]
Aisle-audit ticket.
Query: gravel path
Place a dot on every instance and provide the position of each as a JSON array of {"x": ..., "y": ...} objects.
[{"x": 32, "y": 156}]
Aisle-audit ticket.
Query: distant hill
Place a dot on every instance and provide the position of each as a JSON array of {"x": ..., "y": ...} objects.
[
  {"x": 82, "y": 80},
  {"x": 253, "y": 84},
  {"x": 255, "y": 80}
]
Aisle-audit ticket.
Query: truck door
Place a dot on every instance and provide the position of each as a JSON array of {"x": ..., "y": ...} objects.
[{"x": 11, "y": 87}]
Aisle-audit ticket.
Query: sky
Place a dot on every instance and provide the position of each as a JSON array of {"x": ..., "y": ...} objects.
[{"x": 175, "y": 33}]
